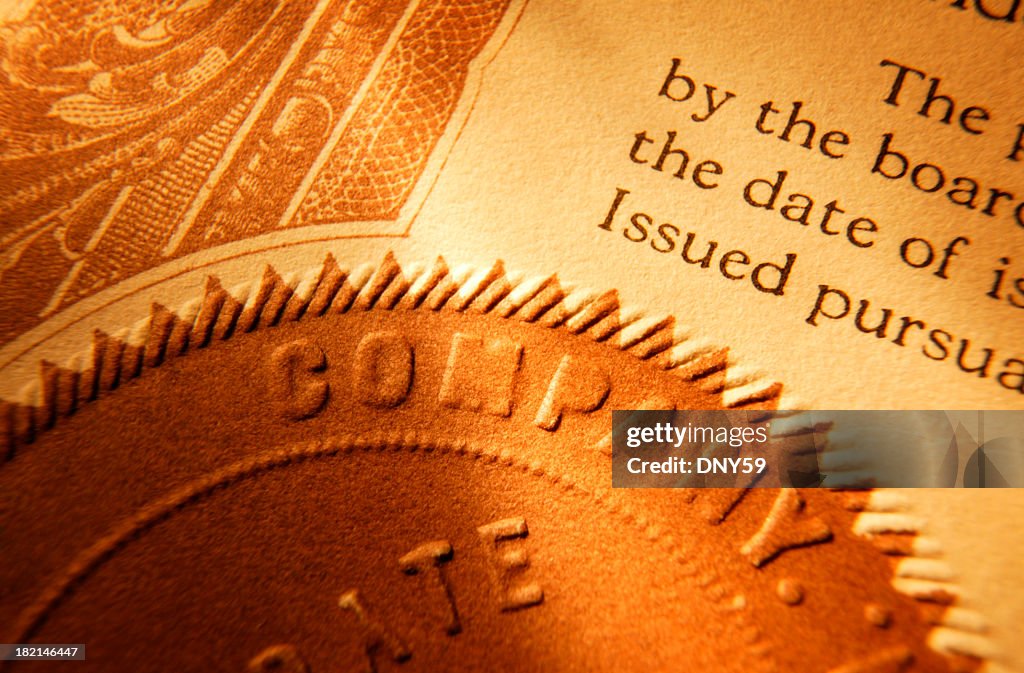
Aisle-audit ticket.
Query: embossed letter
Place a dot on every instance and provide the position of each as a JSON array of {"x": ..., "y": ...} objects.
[
  {"x": 278, "y": 659},
  {"x": 892, "y": 660},
  {"x": 575, "y": 387},
  {"x": 715, "y": 504},
  {"x": 383, "y": 369},
  {"x": 297, "y": 366},
  {"x": 785, "y": 527},
  {"x": 378, "y": 639},
  {"x": 479, "y": 376},
  {"x": 428, "y": 558},
  {"x": 510, "y": 562}
]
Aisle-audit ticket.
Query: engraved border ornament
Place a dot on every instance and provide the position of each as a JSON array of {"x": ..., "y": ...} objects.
[{"x": 276, "y": 116}]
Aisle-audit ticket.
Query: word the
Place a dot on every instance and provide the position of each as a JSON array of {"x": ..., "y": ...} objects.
[
  {"x": 830, "y": 141},
  {"x": 970, "y": 118}
]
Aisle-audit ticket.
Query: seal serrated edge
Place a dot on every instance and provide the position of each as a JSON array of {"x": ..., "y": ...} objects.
[
  {"x": 888, "y": 520},
  {"x": 270, "y": 299}
]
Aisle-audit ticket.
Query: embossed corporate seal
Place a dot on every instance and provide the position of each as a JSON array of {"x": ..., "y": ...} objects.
[{"x": 409, "y": 470}]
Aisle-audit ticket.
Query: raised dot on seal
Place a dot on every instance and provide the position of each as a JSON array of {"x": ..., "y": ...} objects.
[
  {"x": 877, "y": 615},
  {"x": 790, "y": 592}
]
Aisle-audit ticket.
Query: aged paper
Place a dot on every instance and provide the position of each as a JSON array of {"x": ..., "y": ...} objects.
[{"x": 833, "y": 191}]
